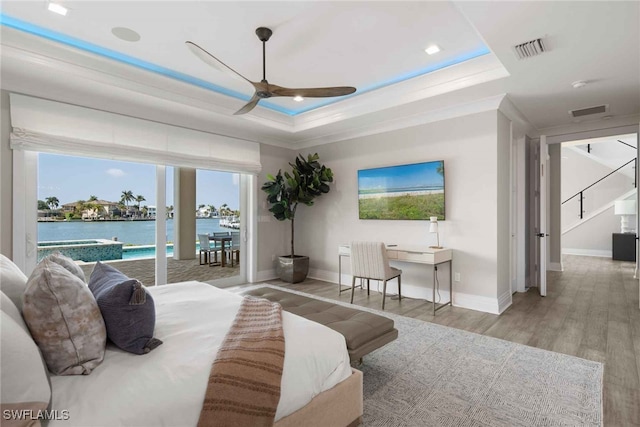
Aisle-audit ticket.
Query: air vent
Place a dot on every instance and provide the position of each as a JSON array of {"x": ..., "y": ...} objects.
[
  {"x": 530, "y": 48},
  {"x": 589, "y": 111}
]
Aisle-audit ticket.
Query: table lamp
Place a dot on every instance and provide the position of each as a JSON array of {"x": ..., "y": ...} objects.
[
  {"x": 433, "y": 228},
  {"x": 627, "y": 210}
]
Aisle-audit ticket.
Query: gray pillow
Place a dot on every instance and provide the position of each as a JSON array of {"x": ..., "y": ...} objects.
[
  {"x": 25, "y": 384},
  {"x": 68, "y": 264},
  {"x": 12, "y": 281},
  {"x": 127, "y": 308},
  {"x": 64, "y": 320}
]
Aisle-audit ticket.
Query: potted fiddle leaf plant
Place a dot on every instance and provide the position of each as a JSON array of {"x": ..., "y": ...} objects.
[{"x": 308, "y": 179}]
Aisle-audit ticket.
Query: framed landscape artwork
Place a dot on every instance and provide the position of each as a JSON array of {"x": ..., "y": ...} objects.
[{"x": 414, "y": 191}]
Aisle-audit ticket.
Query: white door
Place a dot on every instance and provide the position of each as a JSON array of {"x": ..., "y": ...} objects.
[{"x": 542, "y": 215}]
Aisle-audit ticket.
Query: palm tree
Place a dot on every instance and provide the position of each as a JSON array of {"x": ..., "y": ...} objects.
[
  {"x": 127, "y": 196},
  {"x": 52, "y": 202},
  {"x": 92, "y": 198},
  {"x": 224, "y": 210},
  {"x": 212, "y": 209},
  {"x": 139, "y": 199}
]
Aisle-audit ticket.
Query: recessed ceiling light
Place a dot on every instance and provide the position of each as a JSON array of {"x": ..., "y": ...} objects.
[
  {"x": 432, "y": 49},
  {"x": 57, "y": 8},
  {"x": 298, "y": 98},
  {"x": 578, "y": 84},
  {"x": 126, "y": 34}
]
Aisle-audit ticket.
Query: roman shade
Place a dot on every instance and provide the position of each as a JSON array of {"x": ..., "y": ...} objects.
[{"x": 54, "y": 127}]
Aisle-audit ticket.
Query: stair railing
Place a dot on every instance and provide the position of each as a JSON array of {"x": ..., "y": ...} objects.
[
  {"x": 581, "y": 192},
  {"x": 628, "y": 145}
]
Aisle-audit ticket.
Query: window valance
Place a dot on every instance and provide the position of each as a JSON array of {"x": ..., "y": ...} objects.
[{"x": 54, "y": 127}]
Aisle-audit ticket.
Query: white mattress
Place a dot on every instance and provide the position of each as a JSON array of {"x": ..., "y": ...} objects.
[{"x": 166, "y": 387}]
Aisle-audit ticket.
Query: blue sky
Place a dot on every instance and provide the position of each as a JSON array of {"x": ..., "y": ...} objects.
[
  {"x": 76, "y": 178},
  {"x": 414, "y": 175}
]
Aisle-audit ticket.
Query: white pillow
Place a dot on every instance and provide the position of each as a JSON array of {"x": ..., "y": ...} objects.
[
  {"x": 7, "y": 306},
  {"x": 25, "y": 385},
  {"x": 13, "y": 282}
]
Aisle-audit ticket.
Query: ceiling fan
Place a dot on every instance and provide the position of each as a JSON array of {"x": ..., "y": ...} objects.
[{"x": 264, "y": 89}]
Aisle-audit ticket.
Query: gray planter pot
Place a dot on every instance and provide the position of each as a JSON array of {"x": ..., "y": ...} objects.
[{"x": 293, "y": 270}]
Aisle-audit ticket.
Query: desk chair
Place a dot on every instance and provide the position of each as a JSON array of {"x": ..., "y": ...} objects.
[
  {"x": 206, "y": 249},
  {"x": 369, "y": 261}
]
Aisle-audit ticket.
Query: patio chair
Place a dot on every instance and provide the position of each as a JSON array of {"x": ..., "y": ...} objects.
[
  {"x": 234, "y": 250},
  {"x": 218, "y": 245},
  {"x": 206, "y": 249}
]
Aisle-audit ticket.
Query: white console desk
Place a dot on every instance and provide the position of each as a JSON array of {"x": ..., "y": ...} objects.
[{"x": 414, "y": 254}]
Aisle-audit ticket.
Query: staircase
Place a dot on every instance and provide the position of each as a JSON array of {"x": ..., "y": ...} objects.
[{"x": 594, "y": 176}]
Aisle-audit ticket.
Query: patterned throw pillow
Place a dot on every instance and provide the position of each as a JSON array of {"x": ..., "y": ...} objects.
[
  {"x": 64, "y": 320},
  {"x": 12, "y": 281},
  {"x": 127, "y": 308},
  {"x": 68, "y": 264}
]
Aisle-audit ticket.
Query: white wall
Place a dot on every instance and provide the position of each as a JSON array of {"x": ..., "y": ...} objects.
[
  {"x": 273, "y": 236},
  {"x": 503, "y": 222},
  {"x": 594, "y": 237},
  {"x": 468, "y": 145},
  {"x": 6, "y": 178},
  {"x": 555, "y": 207}
]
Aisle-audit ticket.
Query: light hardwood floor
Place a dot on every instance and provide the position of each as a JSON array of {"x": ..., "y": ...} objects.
[{"x": 591, "y": 311}]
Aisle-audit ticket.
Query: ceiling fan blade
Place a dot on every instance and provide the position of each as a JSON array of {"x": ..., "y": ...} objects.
[
  {"x": 249, "y": 106},
  {"x": 213, "y": 61},
  {"x": 312, "y": 92}
]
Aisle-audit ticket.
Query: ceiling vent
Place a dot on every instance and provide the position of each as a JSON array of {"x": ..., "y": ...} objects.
[
  {"x": 530, "y": 48},
  {"x": 589, "y": 111}
]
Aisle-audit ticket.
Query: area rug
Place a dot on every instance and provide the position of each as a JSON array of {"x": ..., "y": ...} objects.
[{"x": 433, "y": 375}]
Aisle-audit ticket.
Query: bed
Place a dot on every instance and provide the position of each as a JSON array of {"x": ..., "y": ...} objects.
[{"x": 166, "y": 386}]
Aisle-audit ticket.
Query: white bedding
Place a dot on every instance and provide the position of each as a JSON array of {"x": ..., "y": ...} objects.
[{"x": 166, "y": 386}]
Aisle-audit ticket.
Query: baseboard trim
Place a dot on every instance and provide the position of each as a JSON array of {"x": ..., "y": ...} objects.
[
  {"x": 504, "y": 301},
  {"x": 555, "y": 266},
  {"x": 477, "y": 302},
  {"x": 462, "y": 300},
  {"x": 587, "y": 252},
  {"x": 264, "y": 275}
]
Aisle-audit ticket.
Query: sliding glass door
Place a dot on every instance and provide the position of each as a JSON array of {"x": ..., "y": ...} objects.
[
  {"x": 97, "y": 210},
  {"x": 158, "y": 224},
  {"x": 203, "y": 227}
]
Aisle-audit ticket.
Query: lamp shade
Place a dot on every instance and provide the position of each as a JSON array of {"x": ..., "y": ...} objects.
[
  {"x": 625, "y": 207},
  {"x": 433, "y": 226}
]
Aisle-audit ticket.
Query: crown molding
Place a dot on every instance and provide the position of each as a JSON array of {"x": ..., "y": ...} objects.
[
  {"x": 44, "y": 68},
  {"x": 26, "y": 50},
  {"x": 476, "y": 71},
  {"x": 477, "y": 106},
  {"x": 522, "y": 124}
]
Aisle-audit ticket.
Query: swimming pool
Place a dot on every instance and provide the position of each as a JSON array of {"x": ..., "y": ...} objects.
[
  {"x": 83, "y": 250},
  {"x": 140, "y": 252}
]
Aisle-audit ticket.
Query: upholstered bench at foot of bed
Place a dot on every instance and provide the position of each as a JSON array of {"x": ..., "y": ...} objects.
[{"x": 363, "y": 331}]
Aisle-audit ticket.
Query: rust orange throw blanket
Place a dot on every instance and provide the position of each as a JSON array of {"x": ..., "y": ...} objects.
[{"x": 244, "y": 384}]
